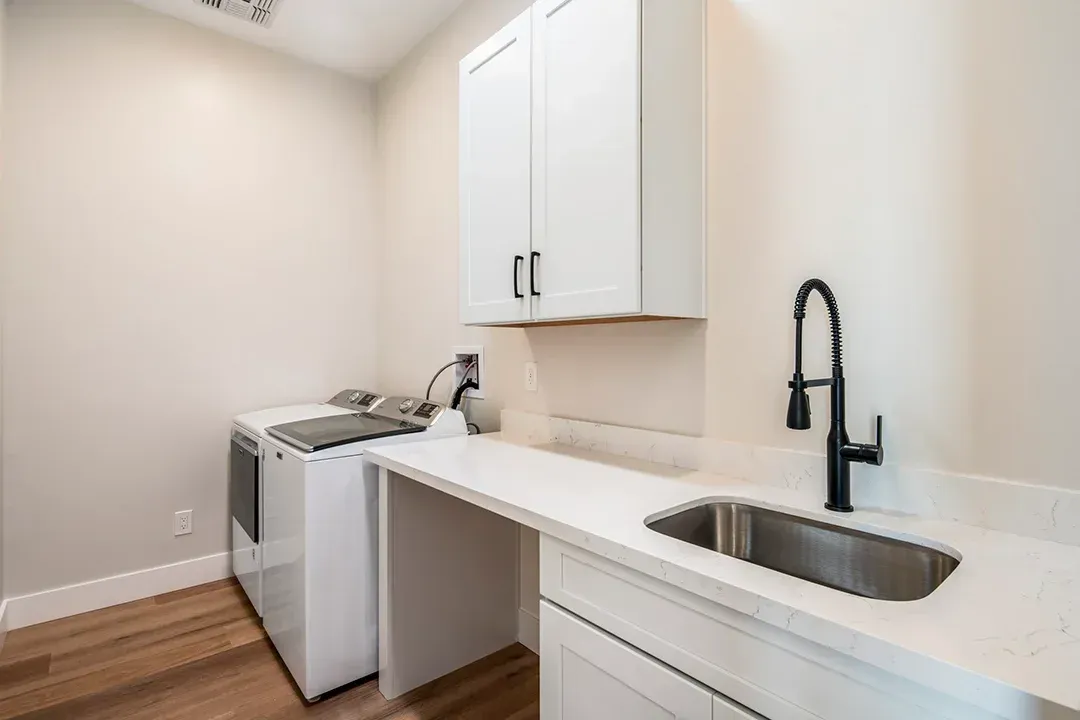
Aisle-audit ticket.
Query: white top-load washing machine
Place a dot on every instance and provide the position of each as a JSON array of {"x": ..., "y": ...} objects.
[
  {"x": 321, "y": 552},
  {"x": 245, "y": 477}
]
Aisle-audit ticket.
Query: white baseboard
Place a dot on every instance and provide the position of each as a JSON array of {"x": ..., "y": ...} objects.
[
  {"x": 529, "y": 630},
  {"x": 3, "y": 624},
  {"x": 97, "y": 594}
]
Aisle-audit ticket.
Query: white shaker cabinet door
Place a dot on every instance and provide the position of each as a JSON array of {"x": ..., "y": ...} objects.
[
  {"x": 586, "y": 158},
  {"x": 586, "y": 674},
  {"x": 496, "y": 175}
]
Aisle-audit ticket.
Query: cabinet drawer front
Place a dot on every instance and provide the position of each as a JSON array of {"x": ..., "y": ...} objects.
[
  {"x": 587, "y": 674},
  {"x": 771, "y": 672}
]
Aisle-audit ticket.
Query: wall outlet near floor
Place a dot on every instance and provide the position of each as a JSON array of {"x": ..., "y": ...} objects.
[
  {"x": 474, "y": 353},
  {"x": 182, "y": 523},
  {"x": 532, "y": 380}
]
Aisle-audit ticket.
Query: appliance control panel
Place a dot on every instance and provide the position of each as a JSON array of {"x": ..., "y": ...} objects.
[
  {"x": 410, "y": 410},
  {"x": 358, "y": 400}
]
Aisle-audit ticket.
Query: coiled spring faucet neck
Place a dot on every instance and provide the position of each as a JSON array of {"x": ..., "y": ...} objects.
[{"x": 834, "y": 320}]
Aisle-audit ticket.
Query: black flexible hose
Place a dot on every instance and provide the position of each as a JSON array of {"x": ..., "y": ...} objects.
[
  {"x": 834, "y": 314},
  {"x": 469, "y": 384}
]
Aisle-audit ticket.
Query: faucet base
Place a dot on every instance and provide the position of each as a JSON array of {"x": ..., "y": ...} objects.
[{"x": 835, "y": 508}]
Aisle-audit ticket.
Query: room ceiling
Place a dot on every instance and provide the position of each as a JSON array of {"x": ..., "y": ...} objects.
[{"x": 365, "y": 38}]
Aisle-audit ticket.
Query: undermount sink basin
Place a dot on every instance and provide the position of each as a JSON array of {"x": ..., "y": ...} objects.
[{"x": 853, "y": 561}]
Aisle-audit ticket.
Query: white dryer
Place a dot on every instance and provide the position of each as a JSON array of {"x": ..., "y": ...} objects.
[
  {"x": 321, "y": 552},
  {"x": 245, "y": 478}
]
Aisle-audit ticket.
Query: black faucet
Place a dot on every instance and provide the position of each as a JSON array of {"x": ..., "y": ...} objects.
[{"x": 841, "y": 451}]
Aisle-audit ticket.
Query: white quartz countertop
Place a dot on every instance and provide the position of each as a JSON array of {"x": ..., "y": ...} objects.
[{"x": 1002, "y": 633}]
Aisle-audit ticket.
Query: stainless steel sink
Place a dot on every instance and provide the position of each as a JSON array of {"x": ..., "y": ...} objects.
[{"x": 853, "y": 561}]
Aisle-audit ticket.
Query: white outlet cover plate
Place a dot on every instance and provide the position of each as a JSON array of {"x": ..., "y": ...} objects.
[
  {"x": 480, "y": 374},
  {"x": 532, "y": 380},
  {"x": 182, "y": 523}
]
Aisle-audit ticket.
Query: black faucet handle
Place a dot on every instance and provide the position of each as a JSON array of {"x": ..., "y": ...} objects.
[{"x": 863, "y": 453}]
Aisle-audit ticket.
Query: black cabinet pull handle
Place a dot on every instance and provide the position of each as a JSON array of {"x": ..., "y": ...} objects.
[
  {"x": 532, "y": 274},
  {"x": 518, "y": 260}
]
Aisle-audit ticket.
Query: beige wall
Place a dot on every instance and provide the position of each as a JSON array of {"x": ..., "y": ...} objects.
[
  {"x": 920, "y": 156},
  {"x": 3, "y": 50},
  {"x": 417, "y": 129},
  {"x": 923, "y": 158},
  {"x": 183, "y": 202},
  {"x": 182, "y": 198},
  {"x": 418, "y": 147}
]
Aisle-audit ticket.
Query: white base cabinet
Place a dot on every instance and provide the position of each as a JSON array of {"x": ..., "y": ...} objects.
[
  {"x": 757, "y": 670},
  {"x": 587, "y": 674}
]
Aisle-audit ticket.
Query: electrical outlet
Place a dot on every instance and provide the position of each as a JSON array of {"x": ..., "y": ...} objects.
[
  {"x": 182, "y": 523},
  {"x": 532, "y": 380},
  {"x": 471, "y": 354}
]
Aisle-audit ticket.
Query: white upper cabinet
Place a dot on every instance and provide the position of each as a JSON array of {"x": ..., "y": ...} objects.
[
  {"x": 586, "y": 160},
  {"x": 496, "y": 176},
  {"x": 583, "y": 165}
]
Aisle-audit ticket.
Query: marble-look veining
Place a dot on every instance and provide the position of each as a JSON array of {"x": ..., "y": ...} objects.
[
  {"x": 1046, "y": 513},
  {"x": 1002, "y": 633},
  {"x": 664, "y": 448}
]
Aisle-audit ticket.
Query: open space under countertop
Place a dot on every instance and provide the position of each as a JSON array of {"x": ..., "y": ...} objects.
[{"x": 1002, "y": 632}]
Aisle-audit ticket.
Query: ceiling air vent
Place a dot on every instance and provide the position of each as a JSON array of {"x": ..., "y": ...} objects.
[{"x": 260, "y": 12}]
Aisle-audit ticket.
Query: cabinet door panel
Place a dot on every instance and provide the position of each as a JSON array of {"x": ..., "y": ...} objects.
[
  {"x": 585, "y": 674},
  {"x": 496, "y": 175},
  {"x": 586, "y": 157}
]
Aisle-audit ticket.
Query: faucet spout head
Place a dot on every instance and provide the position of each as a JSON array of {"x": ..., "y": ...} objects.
[{"x": 798, "y": 410}]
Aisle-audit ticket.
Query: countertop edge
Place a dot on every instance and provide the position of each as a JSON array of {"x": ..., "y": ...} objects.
[{"x": 938, "y": 675}]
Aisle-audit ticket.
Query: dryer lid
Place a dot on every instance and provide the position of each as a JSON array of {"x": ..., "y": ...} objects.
[{"x": 327, "y": 432}]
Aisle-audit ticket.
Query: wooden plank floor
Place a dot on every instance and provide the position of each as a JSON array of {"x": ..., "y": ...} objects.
[{"x": 201, "y": 654}]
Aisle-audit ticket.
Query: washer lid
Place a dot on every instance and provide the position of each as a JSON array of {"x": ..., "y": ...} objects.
[
  {"x": 256, "y": 423},
  {"x": 327, "y": 432}
]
